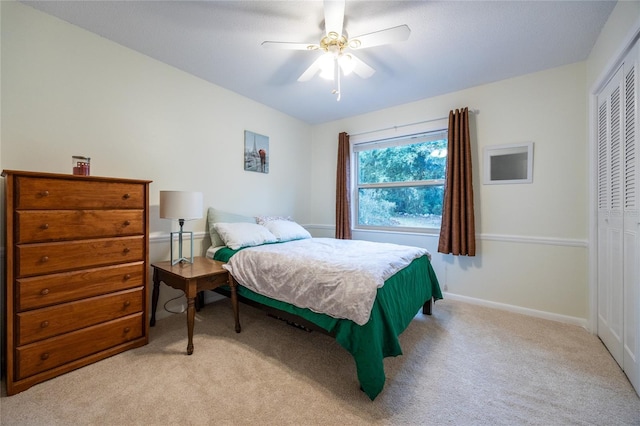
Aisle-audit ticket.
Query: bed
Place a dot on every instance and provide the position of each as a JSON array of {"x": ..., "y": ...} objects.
[{"x": 411, "y": 286}]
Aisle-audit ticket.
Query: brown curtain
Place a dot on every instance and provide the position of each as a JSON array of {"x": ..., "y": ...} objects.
[
  {"x": 343, "y": 199},
  {"x": 458, "y": 232}
]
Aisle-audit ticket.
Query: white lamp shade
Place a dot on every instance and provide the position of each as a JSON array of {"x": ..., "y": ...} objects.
[{"x": 180, "y": 205}]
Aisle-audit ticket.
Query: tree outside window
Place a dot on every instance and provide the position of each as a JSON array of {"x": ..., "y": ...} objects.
[{"x": 400, "y": 182}]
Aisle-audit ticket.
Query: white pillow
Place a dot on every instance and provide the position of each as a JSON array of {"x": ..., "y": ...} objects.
[
  {"x": 286, "y": 230},
  {"x": 243, "y": 234},
  {"x": 217, "y": 216}
]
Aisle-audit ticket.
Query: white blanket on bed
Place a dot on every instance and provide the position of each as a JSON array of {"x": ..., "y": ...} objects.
[{"x": 339, "y": 278}]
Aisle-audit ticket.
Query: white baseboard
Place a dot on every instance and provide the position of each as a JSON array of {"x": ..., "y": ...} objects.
[
  {"x": 180, "y": 304},
  {"x": 581, "y": 322}
]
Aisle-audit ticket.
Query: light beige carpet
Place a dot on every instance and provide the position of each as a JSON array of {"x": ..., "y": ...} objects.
[{"x": 465, "y": 365}]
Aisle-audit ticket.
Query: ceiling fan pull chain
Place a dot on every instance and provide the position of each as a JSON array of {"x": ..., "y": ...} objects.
[{"x": 336, "y": 69}]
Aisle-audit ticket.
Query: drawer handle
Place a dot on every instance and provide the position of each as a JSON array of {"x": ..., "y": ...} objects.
[
  {"x": 45, "y": 226},
  {"x": 126, "y": 196},
  {"x": 127, "y": 329},
  {"x": 44, "y": 356},
  {"x": 44, "y": 259},
  {"x": 127, "y": 303},
  {"x": 127, "y": 223},
  {"x": 44, "y": 291},
  {"x": 127, "y": 277},
  {"x": 44, "y": 193},
  {"x": 126, "y": 250},
  {"x": 44, "y": 324}
]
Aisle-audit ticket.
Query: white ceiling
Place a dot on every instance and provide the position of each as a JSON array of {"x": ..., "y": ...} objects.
[{"x": 453, "y": 44}]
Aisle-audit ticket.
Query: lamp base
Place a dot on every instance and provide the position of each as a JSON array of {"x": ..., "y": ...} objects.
[{"x": 181, "y": 258}]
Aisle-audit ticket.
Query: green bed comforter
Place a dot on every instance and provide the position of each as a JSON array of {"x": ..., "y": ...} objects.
[{"x": 397, "y": 302}]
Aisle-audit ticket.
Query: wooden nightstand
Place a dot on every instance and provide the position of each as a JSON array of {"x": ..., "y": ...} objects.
[{"x": 192, "y": 278}]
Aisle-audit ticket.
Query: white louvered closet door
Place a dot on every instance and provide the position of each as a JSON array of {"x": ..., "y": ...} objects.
[
  {"x": 631, "y": 218},
  {"x": 618, "y": 169},
  {"x": 610, "y": 266}
]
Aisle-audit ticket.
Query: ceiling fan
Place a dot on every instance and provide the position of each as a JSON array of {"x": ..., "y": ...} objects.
[{"x": 337, "y": 59}]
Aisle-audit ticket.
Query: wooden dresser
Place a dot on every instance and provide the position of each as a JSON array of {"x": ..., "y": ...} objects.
[{"x": 77, "y": 272}]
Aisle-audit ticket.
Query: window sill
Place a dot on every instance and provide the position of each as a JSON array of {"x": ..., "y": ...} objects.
[{"x": 402, "y": 231}]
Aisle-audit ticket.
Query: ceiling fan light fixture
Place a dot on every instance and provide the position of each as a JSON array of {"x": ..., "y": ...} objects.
[
  {"x": 327, "y": 66},
  {"x": 347, "y": 64},
  {"x": 334, "y": 61}
]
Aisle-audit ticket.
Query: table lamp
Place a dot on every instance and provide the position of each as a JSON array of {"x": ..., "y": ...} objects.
[{"x": 180, "y": 206}]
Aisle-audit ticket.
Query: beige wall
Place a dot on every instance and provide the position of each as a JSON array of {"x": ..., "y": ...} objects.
[
  {"x": 70, "y": 92},
  {"x": 67, "y": 92},
  {"x": 532, "y": 237}
]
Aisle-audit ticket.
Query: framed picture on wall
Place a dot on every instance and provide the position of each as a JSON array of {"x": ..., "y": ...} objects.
[
  {"x": 508, "y": 163},
  {"x": 256, "y": 152}
]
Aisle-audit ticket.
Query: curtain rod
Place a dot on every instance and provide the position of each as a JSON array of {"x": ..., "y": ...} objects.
[{"x": 472, "y": 111}]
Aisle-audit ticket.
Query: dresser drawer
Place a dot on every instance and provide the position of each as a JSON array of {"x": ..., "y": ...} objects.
[
  {"x": 46, "y": 290},
  {"x": 55, "y": 320},
  {"x": 44, "y": 258},
  {"x": 54, "y": 225},
  {"x": 49, "y": 193},
  {"x": 56, "y": 351}
]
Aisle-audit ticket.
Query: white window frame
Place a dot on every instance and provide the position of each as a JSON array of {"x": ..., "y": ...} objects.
[{"x": 434, "y": 130}]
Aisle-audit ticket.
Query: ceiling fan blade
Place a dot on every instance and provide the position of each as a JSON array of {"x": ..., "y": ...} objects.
[
  {"x": 311, "y": 71},
  {"x": 285, "y": 45},
  {"x": 333, "y": 16},
  {"x": 360, "y": 68},
  {"x": 378, "y": 38}
]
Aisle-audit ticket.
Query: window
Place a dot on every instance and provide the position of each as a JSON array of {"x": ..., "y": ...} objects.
[{"x": 399, "y": 182}]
